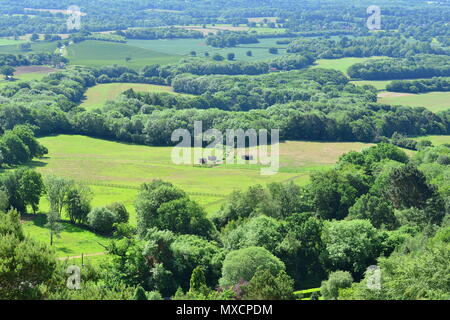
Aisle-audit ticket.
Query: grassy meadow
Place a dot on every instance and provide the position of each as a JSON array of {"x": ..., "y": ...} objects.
[
  {"x": 184, "y": 47},
  {"x": 73, "y": 240},
  {"x": 433, "y": 101},
  {"x": 101, "y": 53},
  {"x": 436, "y": 140},
  {"x": 97, "y": 96},
  {"x": 341, "y": 64},
  {"x": 115, "y": 171},
  {"x": 36, "y": 47}
]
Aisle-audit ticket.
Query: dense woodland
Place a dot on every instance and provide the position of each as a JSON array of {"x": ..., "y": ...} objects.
[
  {"x": 381, "y": 206},
  {"x": 305, "y": 105},
  {"x": 418, "y": 66},
  {"x": 420, "y": 86}
]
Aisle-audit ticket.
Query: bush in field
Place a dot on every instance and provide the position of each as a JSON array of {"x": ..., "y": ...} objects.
[
  {"x": 244, "y": 263},
  {"x": 337, "y": 280},
  {"x": 120, "y": 211},
  {"x": 102, "y": 220}
]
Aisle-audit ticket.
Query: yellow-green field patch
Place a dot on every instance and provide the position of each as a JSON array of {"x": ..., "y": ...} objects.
[
  {"x": 73, "y": 240},
  {"x": 101, "y": 53},
  {"x": 114, "y": 171},
  {"x": 97, "y": 96},
  {"x": 433, "y": 101},
  {"x": 341, "y": 64},
  {"x": 436, "y": 140}
]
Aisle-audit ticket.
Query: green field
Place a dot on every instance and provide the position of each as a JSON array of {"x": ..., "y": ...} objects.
[
  {"x": 433, "y": 101},
  {"x": 101, "y": 53},
  {"x": 36, "y": 47},
  {"x": 8, "y": 42},
  {"x": 74, "y": 240},
  {"x": 341, "y": 64},
  {"x": 115, "y": 170},
  {"x": 436, "y": 140},
  {"x": 185, "y": 46},
  {"x": 24, "y": 77},
  {"x": 379, "y": 84},
  {"x": 97, "y": 96}
]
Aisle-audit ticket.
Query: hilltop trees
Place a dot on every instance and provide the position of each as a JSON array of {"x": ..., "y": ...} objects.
[
  {"x": 57, "y": 191},
  {"x": 25, "y": 264},
  {"x": 19, "y": 146},
  {"x": 243, "y": 264},
  {"x": 7, "y": 71},
  {"x": 224, "y": 39},
  {"x": 78, "y": 203},
  {"x": 336, "y": 280},
  {"x": 160, "y": 204},
  {"x": 266, "y": 286},
  {"x": 351, "y": 245},
  {"x": 23, "y": 187}
]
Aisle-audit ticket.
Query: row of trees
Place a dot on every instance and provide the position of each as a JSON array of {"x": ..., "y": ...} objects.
[
  {"x": 160, "y": 33},
  {"x": 29, "y": 59},
  {"x": 224, "y": 39},
  {"x": 389, "y": 45},
  {"x": 419, "y": 66},
  {"x": 419, "y": 86},
  {"x": 313, "y": 105}
]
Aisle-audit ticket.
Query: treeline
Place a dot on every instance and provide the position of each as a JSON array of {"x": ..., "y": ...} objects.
[
  {"x": 30, "y": 59},
  {"x": 419, "y": 86},
  {"x": 83, "y": 36},
  {"x": 304, "y": 105},
  {"x": 224, "y": 39},
  {"x": 420, "y": 66},
  {"x": 391, "y": 46},
  {"x": 160, "y": 33},
  {"x": 19, "y": 146},
  {"x": 284, "y": 63}
]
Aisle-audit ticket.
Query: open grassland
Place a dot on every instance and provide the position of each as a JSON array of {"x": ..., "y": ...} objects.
[
  {"x": 184, "y": 47},
  {"x": 9, "y": 42},
  {"x": 379, "y": 84},
  {"x": 28, "y": 73},
  {"x": 97, "y": 96},
  {"x": 100, "y": 53},
  {"x": 115, "y": 171},
  {"x": 73, "y": 240},
  {"x": 210, "y": 28},
  {"x": 436, "y": 140},
  {"x": 433, "y": 101},
  {"x": 341, "y": 64},
  {"x": 36, "y": 47}
]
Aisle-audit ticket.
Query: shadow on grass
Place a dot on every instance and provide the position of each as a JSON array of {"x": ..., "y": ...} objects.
[
  {"x": 37, "y": 163},
  {"x": 65, "y": 250}
]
